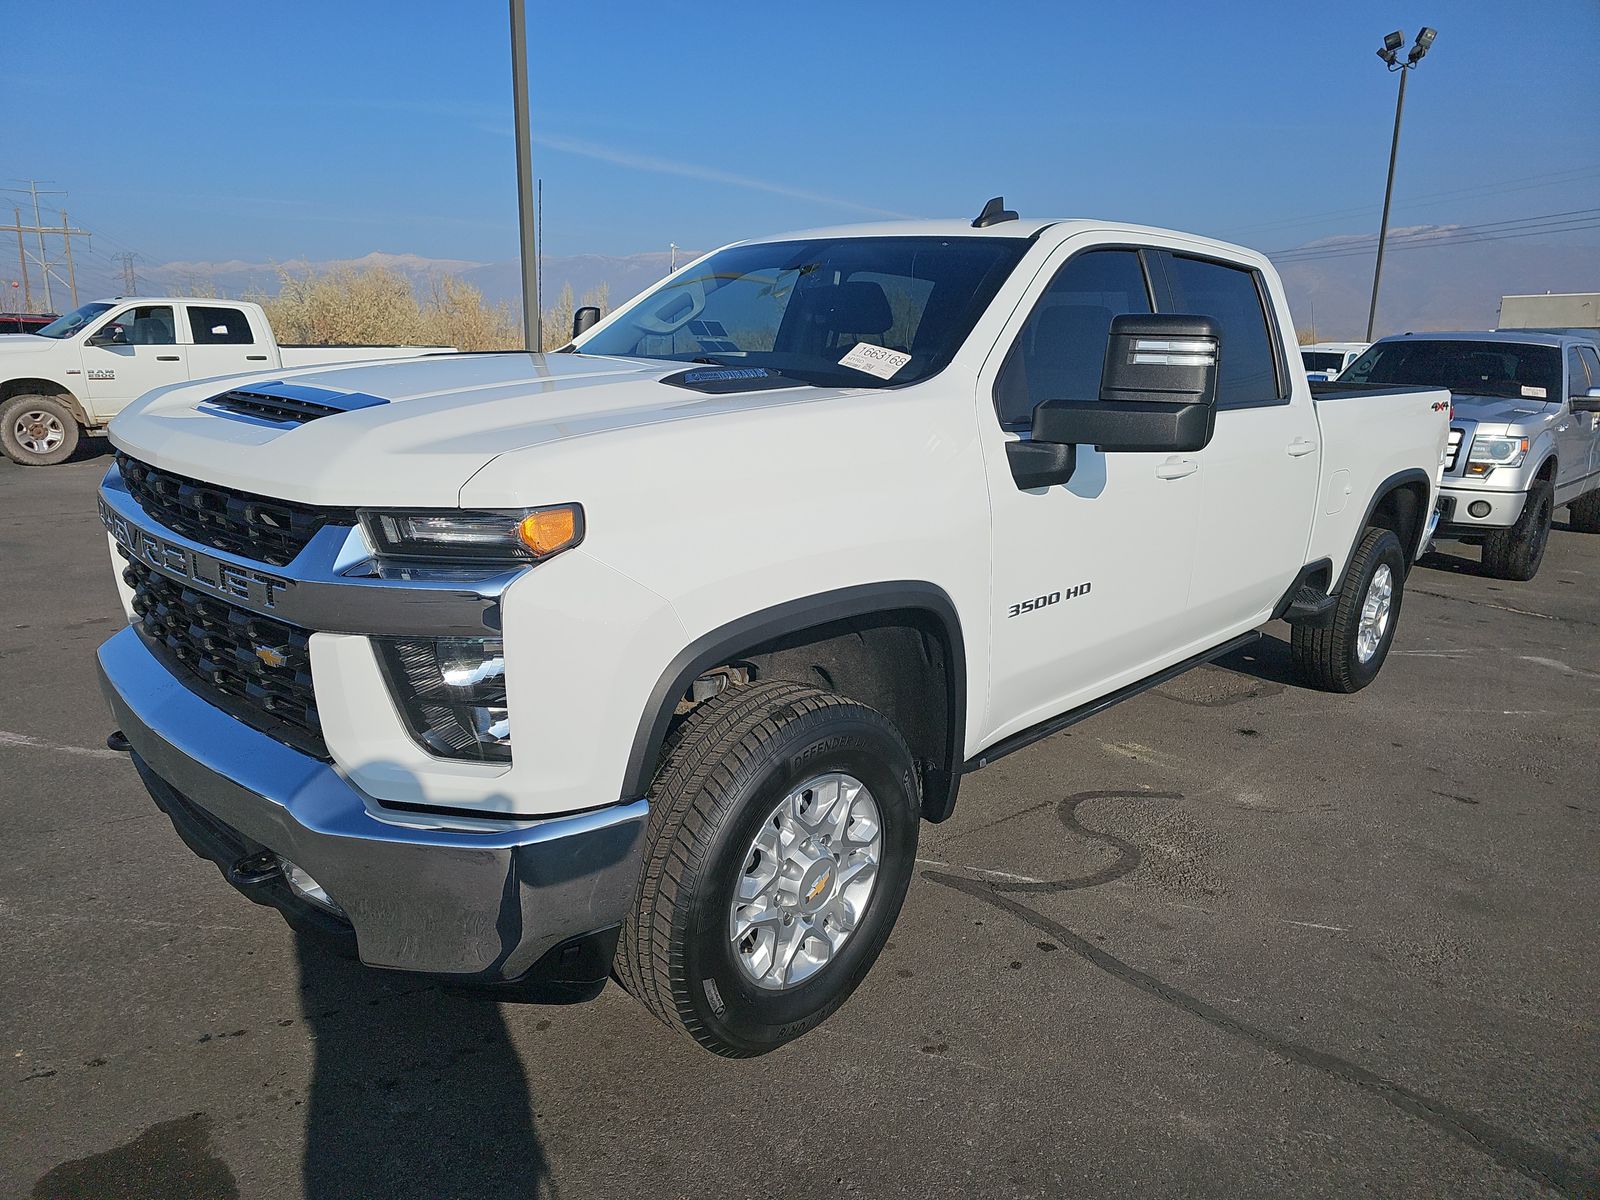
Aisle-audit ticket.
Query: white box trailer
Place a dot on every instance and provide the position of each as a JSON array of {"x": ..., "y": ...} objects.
[{"x": 1575, "y": 311}]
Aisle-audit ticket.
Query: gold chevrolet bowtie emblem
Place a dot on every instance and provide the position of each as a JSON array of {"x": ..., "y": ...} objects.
[
  {"x": 816, "y": 888},
  {"x": 271, "y": 656}
]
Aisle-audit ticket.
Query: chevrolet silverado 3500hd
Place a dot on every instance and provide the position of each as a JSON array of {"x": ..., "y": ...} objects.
[{"x": 648, "y": 656}]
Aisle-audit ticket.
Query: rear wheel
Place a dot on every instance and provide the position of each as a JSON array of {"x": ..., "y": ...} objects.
[
  {"x": 1585, "y": 513},
  {"x": 1347, "y": 654},
  {"x": 1515, "y": 553},
  {"x": 37, "y": 431},
  {"x": 783, "y": 832}
]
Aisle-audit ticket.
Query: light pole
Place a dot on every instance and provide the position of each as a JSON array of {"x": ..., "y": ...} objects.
[
  {"x": 526, "y": 204},
  {"x": 1391, "y": 55}
]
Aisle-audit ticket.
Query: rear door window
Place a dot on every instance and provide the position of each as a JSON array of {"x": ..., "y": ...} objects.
[
  {"x": 1248, "y": 372},
  {"x": 219, "y": 326}
]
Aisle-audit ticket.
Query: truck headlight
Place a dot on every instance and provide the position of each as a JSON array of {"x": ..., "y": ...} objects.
[
  {"x": 464, "y": 535},
  {"x": 452, "y": 694},
  {"x": 1491, "y": 451}
]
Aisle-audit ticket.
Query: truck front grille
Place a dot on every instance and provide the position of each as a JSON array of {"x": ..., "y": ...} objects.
[
  {"x": 253, "y": 667},
  {"x": 255, "y": 527},
  {"x": 1452, "y": 450}
]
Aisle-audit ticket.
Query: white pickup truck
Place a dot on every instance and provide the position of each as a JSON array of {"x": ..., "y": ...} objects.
[
  {"x": 76, "y": 373},
  {"x": 650, "y": 656}
]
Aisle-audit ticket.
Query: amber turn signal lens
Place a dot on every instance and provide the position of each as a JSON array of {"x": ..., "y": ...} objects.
[{"x": 548, "y": 530}]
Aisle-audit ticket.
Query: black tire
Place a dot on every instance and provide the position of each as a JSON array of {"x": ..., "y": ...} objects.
[
  {"x": 725, "y": 770},
  {"x": 1585, "y": 513},
  {"x": 1515, "y": 553},
  {"x": 1328, "y": 657},
  {"x": 37, "y": 418}
]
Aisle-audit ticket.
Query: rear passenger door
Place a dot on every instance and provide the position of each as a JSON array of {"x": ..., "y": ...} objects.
[
  {"x": 1259, "y": 475},
  {"x": 1583, "y": 373},
  {"x": 224, "y": 342}
]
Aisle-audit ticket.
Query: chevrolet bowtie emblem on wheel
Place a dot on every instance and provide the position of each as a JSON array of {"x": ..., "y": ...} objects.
[
  {"x": 271, "y": 656},
  {"x": 816, "y": 888}
]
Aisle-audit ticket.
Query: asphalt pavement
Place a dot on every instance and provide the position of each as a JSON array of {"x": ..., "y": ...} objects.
[{"x": 1233, "y": 938}]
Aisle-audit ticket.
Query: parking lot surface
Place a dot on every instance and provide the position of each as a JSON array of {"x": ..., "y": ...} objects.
[{"x": 1232, "y": 938}]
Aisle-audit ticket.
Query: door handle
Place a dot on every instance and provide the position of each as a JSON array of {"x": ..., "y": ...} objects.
[
  {"x": 167, "y": 358},
  {"x": 1301, "y": 446},
  {"x": 255, "y": 358},
  {"x": 1176, "y": 468}
]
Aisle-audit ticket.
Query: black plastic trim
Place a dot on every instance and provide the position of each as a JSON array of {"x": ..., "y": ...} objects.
[
  {"x": 1316, "y": 605},
  {"x": 1027, "y": 737},
  {"x": 796, "y": 616},
  {"x": 1409, "y": 475}
]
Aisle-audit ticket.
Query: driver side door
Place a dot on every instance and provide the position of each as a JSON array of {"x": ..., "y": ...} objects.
[
  {"x": 1091, "y": 577},
  {"x": 132, "y": 352}
]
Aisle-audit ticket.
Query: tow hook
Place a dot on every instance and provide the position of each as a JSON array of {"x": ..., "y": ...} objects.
[
  {"x": 254, "y": 869},
  {"x": 118, "y": 741}
]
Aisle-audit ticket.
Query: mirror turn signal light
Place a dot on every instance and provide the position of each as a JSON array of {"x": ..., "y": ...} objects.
[{"x": 550, "y": 529}]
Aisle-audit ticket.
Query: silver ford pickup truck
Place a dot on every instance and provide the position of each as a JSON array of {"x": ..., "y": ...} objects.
[{"x": 1524, "y": 433}]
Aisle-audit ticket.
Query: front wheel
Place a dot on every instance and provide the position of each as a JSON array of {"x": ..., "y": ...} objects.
[
  {"x": 1515, "y": 553},
  {"x": 37, "y": 431},
  {"x": 783, "y": 834},
  {"x": 1347, "y": 654}
]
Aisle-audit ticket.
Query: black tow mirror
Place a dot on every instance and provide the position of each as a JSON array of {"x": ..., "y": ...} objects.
[
  {"x": 585, "y": 319},
  {"x": 111, "y": 335},
  {"x": 1158, "y": 390},
  {"x": 1589, "y": 402}
]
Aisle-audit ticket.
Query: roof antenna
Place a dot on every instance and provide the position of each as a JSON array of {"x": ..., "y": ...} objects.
[{"x": 993, "y": 213}]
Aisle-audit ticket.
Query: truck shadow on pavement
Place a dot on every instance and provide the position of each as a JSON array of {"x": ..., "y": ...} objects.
[
  {"x": 1531, "y": 1161},
  {"x": 415, "y": 1092}
]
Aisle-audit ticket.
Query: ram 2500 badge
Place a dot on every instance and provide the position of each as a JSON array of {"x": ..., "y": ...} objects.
[{"x": 650, "y": 656}]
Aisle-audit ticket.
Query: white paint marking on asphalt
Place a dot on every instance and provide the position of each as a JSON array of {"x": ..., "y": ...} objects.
[
  {"x": 1314, "y": 925},
  {"x": 1434, "y": 653},
  {"x": 934, "y": 862},
  {"x": 1557, "y": 665},
  {"x": 24, "y": 742}
]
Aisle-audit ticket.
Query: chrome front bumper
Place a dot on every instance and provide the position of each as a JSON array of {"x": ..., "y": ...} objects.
[{"x": 481, "y": 900}]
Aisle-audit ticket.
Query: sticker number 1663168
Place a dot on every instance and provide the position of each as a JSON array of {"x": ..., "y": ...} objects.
[{"x": 1038, "y": 602}]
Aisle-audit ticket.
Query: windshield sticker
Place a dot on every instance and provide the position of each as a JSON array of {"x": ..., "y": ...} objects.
[
  {"x": 1533, "y": 393},
  {"x": 874, "y": 360}
]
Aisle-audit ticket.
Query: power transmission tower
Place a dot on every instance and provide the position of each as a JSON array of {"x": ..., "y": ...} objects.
[
  {"x": 47, "y": 266},
  {"x": 130, "y": 277}
]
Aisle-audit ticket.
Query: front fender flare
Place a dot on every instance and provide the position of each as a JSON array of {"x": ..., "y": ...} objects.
[{"x": 794, "y": 616}]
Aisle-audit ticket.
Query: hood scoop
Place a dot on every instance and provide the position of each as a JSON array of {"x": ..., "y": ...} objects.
[{"x": 285, "y": 405}]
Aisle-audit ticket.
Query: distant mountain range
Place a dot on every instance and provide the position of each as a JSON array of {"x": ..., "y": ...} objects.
[{"x": 1446, "y": 286}]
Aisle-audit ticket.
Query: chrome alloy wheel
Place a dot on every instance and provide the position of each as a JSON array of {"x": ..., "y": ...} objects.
[
  {"x": 1375, "y": 613},
  {"x": 806, "y": 881},
  {"x": 39, "y": 432}
]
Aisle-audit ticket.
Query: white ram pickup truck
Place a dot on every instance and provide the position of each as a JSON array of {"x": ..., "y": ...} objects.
[
  {"x": 647, "y": 657},
  {"x": 76, "y": 373}
]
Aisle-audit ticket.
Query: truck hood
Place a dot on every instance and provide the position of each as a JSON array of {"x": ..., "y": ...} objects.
[
  {"x": 416, "y": 430},
  {"x": 1502, "y": 411},
  {"x": 24, "y": 343}
]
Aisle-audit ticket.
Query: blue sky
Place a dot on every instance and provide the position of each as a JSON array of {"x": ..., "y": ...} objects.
[{"x": 270, "y": 131}]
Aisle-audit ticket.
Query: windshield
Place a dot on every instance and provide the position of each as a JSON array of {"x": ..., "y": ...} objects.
[
  {"x": 1322, "y": 360},
  {"x": 1486, "y": 368},
  {"x": 75, "y": 320},
  {"x": 858, "y": 312}
]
